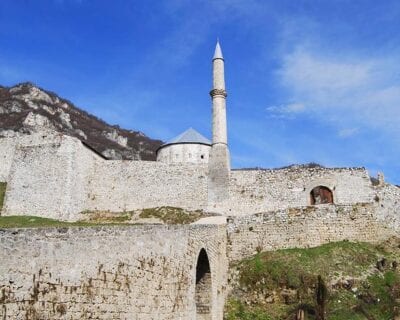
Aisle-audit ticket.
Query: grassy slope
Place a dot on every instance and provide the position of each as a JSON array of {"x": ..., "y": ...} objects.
[{"x": 274, "y": 285}]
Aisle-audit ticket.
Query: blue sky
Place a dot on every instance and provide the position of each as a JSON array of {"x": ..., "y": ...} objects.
[{"x": 307, "y": 80}]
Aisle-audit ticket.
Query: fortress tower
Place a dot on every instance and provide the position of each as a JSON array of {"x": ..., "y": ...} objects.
[{"x": 219, "y": 162}]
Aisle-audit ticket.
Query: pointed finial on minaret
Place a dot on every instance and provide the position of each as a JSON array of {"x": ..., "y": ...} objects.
[{"x": 218, "y": 51}]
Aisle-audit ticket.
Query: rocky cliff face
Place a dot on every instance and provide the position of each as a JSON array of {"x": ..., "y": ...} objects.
[{"x": 26, "y": 108}]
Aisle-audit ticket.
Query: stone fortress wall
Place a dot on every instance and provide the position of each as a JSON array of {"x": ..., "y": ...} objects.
[
  {"x": 157, "y": 271},
  {"x": 305, "y": 227},
  {"x": 150, "y": 272},
  {"x": 127, "y": 185},
  {"x": 388, "y": 205},
  {"x": 253, "y": 191},
  {"x": 58, "y": 177},
  {"x": 49, "y": 177},
  {"x": 61, "y": 178},
  {"x": 8, "y": 147},
  {"x": 131, "y": 272}
]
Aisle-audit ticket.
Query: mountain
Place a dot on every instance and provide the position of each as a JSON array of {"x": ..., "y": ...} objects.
[{"x": 26, "y": 108}]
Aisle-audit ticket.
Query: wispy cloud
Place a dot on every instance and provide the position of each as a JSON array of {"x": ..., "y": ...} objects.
[
  {"x": 288, "y": 111},
  {"x": 192, "y": 30},
  {"x": 363, "y": 91},
  {"x": 347, "y": 132}
]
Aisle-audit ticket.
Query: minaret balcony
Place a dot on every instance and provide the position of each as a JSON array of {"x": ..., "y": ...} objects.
[{"x": 218, "y": 92}]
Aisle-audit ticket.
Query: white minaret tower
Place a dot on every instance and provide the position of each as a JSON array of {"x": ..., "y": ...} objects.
[
  {"x": 218, "y": 95},
  {"x": 219, "y": 163}
]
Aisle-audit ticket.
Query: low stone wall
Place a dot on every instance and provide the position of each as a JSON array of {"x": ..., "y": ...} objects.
[
  {"x": 304, "y": 227},
  {"x": 132, "y": 272}
]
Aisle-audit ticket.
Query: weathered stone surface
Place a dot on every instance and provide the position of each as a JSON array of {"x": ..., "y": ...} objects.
[
  {"x": 139, "y": 272},
  {"x": 218, "y": 178},
  {"x": 254, "y": 191},
  {"x": 48, "y": 177},
  {"x": 307, "y": 227},
  {"x": 154, "y": 271},
  {"x": 148, "y": 272},
  {"x": 58, "y": 177}
]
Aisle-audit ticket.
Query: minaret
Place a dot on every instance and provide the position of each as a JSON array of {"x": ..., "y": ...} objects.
[
  {"x": 218, "y": 95},
  {"x": 219, "y": 163}
]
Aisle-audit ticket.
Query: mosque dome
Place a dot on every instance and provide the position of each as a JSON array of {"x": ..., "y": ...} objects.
[{"x": 188, "y": 147}]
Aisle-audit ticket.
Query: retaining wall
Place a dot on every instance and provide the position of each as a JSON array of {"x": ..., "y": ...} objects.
[
  {"x": 304, "y": 227},
  {"x": 132, "y": 272}
]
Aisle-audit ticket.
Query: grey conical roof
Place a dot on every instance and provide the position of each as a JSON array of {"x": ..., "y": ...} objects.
[
  {"x": 218, "y": 52},
  {"x": 189, "y": 136}
]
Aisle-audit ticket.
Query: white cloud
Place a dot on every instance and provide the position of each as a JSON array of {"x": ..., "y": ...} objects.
[
  {"x": 347, "y": 132},
  {"x": 306, "y": 73},
  {"x": 287, "y": 111},
  {"x": 356, "y": 92}
]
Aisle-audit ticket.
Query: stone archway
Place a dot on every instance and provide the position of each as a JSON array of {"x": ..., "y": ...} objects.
[
  {"x": 321, "y": 195},
  {"x": 203, "y": 287}
]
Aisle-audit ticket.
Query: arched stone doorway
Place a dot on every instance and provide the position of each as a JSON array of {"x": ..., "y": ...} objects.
[
  {"x": 321, "y": 195},
  {"x": 203, "y": 287}
]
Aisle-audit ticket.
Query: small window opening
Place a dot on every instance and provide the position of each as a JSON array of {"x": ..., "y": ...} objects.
[
  {"x": 321, "y": 195},
  {"x": 202, "y": 156}
]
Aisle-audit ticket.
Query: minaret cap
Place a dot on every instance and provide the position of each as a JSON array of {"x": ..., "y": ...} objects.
[{"x": 218, "y": 52}]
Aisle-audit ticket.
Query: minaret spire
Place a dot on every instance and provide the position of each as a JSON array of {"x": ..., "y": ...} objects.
[
  {"x": 218, "y": 51},
  {"x": 219, "y": 162}
]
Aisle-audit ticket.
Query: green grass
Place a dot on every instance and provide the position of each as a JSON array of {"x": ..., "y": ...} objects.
[
  {"x": 171, "y": 215},
  {"x": 168, "y": 215},
  {"x": 237, "y": 310},
  {"x": 38, "y": 222},
  {"x": 101, "y": 217},
  {"x": 3, "y": 186},
  {"x": 294, "y": 268},
  {"x": 263, "y": 281}
]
